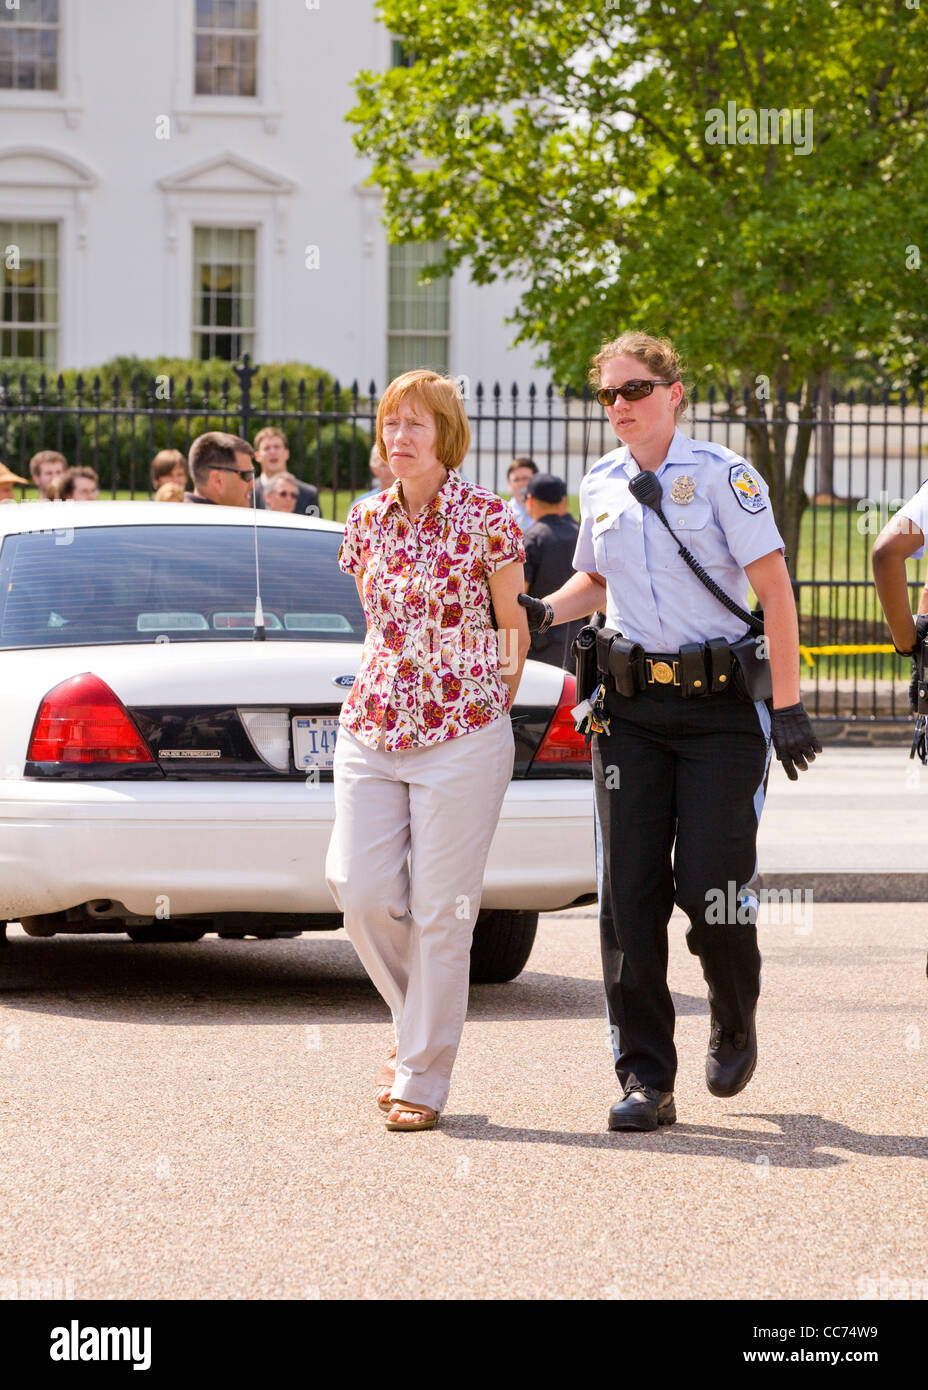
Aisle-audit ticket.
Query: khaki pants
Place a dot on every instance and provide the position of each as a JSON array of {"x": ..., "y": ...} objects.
[{"x": 405, "y": 865}]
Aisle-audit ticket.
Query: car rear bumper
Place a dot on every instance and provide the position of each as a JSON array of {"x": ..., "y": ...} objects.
[{"x": 174, "y": 849}]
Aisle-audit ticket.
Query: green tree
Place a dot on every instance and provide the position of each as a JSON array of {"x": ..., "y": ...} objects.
[{"x": 577, "y": 147}]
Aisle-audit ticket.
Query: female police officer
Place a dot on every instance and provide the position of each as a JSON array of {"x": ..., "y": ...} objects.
[{"x": 681, "y": 764}]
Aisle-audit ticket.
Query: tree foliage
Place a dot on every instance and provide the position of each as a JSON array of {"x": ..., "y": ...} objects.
[{"x": 564, "y": 145}]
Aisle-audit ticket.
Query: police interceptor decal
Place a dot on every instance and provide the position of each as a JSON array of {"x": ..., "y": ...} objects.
[{"x": 746, "y": 488}]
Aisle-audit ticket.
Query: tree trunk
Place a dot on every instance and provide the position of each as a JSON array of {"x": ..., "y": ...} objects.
[
  {"x": 825, "y": 473},
  {"x": 767, "y": 441}
]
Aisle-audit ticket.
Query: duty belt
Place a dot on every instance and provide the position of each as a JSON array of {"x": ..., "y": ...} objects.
[{"x": 697, "y": 669}]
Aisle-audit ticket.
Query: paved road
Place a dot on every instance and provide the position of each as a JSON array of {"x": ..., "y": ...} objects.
[
  {"x": 195, "y": 1122},
  {"x": 859, "y": 809}
]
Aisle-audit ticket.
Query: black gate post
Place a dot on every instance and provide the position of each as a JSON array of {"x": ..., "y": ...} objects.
[{"x": 246, "y": 374}]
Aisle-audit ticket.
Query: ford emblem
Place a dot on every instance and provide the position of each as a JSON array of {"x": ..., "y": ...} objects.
[{"x": 343, "y": 680}]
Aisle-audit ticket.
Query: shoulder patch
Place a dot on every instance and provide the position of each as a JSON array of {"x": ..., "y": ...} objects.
[{"x": 746, "y": 488}]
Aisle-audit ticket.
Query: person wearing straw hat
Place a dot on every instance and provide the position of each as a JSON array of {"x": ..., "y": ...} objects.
[{"x": 8, "y": 480}]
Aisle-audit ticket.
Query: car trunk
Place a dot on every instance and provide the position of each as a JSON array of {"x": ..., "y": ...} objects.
[{"x": 244, "y": 709}]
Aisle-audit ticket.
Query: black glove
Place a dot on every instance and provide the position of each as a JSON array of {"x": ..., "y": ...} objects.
[
  {"x": 540, "y": 614},
  {"x": 793, "y": 739}
]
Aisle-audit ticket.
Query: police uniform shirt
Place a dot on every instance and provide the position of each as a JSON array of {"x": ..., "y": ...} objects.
[
  {"x": 720, "y": 509},
  {"x": 916, "y": 509}
]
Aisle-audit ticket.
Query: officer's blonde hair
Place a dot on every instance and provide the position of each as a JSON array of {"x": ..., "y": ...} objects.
[{"x": 657, "y": 354}]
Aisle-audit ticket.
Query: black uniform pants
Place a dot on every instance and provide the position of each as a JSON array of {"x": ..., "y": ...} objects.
[{"x": 679, "y": 785}]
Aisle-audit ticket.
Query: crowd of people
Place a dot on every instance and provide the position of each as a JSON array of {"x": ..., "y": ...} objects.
[{"x": 225, "y": 470}]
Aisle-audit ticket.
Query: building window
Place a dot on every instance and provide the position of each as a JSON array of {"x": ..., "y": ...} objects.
[
  {"x": 400, "y": 55},
  {"x": 417, "y": 323},
  {"x": 223, "y": 292},
  {"x": 226, "y": 46},
  {"x": 29, "y": 46},
  {"x": 29, "y": 314}
]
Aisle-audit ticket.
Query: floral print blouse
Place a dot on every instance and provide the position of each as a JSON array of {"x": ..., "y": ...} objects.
[{"x": 430, "y": 666}]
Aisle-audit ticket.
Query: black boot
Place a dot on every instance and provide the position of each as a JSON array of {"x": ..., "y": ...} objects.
[
  {"x": 731, "y": 1059},
  {"x": 643, "y": 1108}
]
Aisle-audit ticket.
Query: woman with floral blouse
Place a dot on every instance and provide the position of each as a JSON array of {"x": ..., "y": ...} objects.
[{"x": 425, "y": 748}]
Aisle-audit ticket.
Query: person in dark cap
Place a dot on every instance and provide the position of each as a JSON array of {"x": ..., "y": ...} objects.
[{"x": 550, "y": 543}]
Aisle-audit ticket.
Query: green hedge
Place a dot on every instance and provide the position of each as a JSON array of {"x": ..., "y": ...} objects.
[{"x": 115, "y": 417}]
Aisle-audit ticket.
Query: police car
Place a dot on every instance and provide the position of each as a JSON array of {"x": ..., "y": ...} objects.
[{"x": 164, "y": 774}]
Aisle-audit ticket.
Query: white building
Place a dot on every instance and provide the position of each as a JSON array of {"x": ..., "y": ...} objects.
[{"x": 178, "y": 178}]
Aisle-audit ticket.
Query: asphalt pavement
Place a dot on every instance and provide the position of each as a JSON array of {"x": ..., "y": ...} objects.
[
  {"x": 854, "y": 827},
  {"x": 197, "y": 1122}
]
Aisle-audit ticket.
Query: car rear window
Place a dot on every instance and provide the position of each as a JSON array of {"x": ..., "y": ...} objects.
[{"x": 116, "y": 584}]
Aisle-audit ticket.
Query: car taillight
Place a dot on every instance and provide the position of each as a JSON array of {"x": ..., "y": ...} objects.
[
  {"x": 561, "y": 743},
  {"x": 83, "y": 721}
]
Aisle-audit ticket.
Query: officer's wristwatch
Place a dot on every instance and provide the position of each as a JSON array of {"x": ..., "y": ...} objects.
[{"x": 538, "y": 611}]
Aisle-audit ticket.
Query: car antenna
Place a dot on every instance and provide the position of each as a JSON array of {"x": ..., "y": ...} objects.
[{"x": 260, "y": 631}]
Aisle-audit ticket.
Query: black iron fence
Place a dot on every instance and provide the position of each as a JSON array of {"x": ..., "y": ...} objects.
[{"x": 850, "y": 462}]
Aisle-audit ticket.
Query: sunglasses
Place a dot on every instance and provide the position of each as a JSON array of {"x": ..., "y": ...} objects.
[
  {"x": 246, "y": 474},
  {"x": 630, "y": 391},
  {"x": 292, "y": 496}
]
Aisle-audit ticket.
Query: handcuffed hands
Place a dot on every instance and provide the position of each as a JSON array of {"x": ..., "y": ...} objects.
[
  {"x": 921, "y": 635},
  {"x": 794, "y": 739},
  {"x": 539, "y": 614}
]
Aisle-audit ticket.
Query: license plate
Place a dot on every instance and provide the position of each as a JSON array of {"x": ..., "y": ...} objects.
[{"x": 314, "y": 739}]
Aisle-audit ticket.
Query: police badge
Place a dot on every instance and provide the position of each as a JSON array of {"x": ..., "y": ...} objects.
[
  {"x": 746, "y": 488},
  {"x": 683, "y": 490}
]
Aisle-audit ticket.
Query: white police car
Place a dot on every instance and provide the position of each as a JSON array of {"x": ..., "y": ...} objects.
[{"x": 164, "y": 774}]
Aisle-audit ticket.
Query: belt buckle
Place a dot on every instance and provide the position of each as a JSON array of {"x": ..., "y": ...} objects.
[{"x": 662, "y": 672}]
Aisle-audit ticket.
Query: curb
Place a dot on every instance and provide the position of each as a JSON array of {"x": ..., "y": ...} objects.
[
  {"x": 827, "y": 886},
  {"x": 850, "y": 885}
]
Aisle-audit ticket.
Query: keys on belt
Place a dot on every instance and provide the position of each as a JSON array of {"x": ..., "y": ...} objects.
[{"x": 590, "y": 715}]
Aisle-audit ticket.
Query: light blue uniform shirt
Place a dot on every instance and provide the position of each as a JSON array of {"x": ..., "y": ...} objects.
[
  {"x": 916, "y": 509},
  {"x": 720, "y": 509},
  {"x": 521, "y": 515}
]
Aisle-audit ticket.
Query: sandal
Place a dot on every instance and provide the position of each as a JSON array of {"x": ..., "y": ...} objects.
[
  {"x": 426, "y": 1117},
  {"x": 383, "y": 1080}
]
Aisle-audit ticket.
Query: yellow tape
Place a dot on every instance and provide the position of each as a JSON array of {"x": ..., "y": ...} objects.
[{"x": 847, "y": 649}]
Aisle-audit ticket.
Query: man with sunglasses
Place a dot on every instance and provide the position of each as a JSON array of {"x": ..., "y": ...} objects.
[
  {"x": 222, "y": 467},
  {"x": 681, "y": 746}
]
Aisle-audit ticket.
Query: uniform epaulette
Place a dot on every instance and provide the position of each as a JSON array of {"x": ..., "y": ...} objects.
[{"x": 719, "y": 451}]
